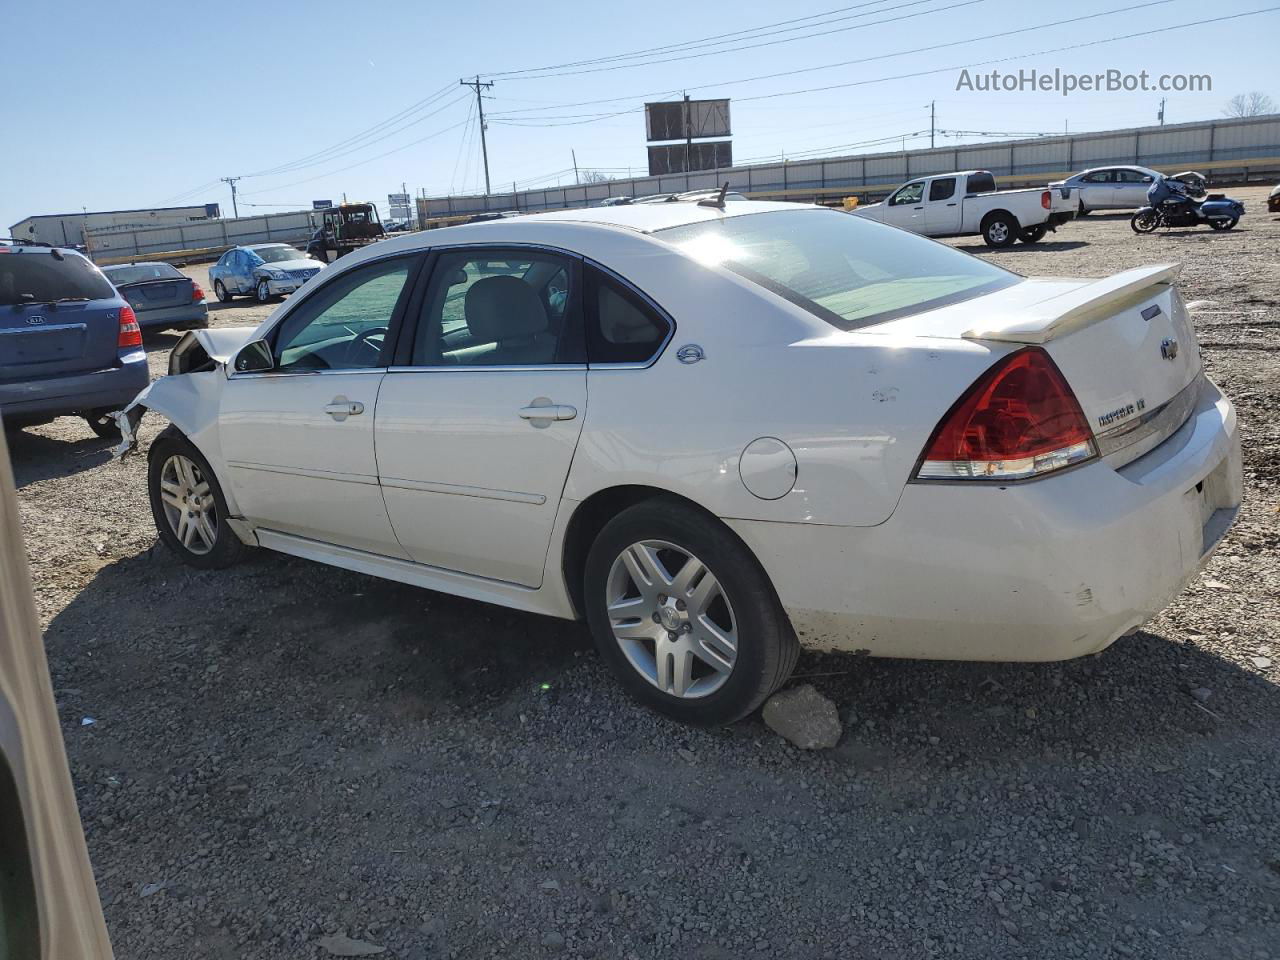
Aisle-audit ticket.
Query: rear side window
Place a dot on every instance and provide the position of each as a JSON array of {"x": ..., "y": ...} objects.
[
  {"x": 942, "y": 189},
  {"x": 981, "y": 183},
  {"x": 39, "y": 277},
  {"x": 621, "y": 326}
]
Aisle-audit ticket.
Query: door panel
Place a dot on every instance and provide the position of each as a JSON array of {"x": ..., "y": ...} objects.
[
  {"x": 942, "y": 208},
  {"x": 906, "y": 207},
  {"x": 301, "y": 464},
  {"x": 472, "y": 480}
]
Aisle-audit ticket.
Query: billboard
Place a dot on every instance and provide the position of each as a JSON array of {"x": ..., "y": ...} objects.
[
  {"x": 321, "y": 204},
  {"x": 398, "y": 206},
  {"x": 706, "y": 155},
  {"x": 682, "y": 119}
]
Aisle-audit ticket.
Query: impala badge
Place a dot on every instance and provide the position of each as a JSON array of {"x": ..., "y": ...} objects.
[
  {"x": 35, "y": 318},
  {"x": 690, "y": 353},
  {"x": 1168, "y": 348}
]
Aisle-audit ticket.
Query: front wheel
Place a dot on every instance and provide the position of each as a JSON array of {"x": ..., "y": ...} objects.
[
  {"x": 685, "y": 616},
  {"x": 1000, "y": 230},
  {"x": 1033, "y": 234},
  {"x": 102, "y": 423},
  {"x": 1224, "y": 224},
  {"x": 187, "y": 504},
  {"x": 262, "y": 292},
  {"x": 1144, "y": 221}
]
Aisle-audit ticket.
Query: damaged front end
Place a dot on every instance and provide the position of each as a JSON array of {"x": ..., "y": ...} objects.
[{"x": 179, "y": 396}]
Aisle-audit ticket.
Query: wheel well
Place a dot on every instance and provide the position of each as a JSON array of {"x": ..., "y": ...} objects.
[
  {"x": 999, "y": 213},
  {"x": 590, "y": 518}
]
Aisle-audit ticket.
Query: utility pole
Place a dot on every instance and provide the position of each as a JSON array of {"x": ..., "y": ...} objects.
[
  {"x": 688, "y": 136},
  {"x": 932, "y": 124},
  {"x": 477, "y": 86},
  {"x": 232, "y": 180},
  {"x": 1160, "y": 115},
  {"x": 574, "y": 154}
]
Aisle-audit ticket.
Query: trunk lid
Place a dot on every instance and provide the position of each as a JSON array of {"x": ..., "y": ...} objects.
[
  {"x": 158, "y": 294},
  {"x": 1125, "y": 344}
]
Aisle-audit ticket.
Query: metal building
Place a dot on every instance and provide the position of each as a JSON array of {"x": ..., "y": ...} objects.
[{"x": 69, "y": 229}]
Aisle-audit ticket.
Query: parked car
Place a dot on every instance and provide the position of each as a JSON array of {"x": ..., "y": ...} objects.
[
  {"x": 49, "y": 906},
  {"x": 264, "y": 270},
  {"x": 160, "y": 294},
  {"x": 711, "y": 431},
  {"x": 69, "y": 342},
  {"x": 1273, "y": 200},
  {"x": 1108, "y": 188},
  {"x": 966, "y": 203}
]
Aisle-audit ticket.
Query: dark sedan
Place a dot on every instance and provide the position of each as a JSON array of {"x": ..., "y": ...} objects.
[{"x": 160, "y": 295}]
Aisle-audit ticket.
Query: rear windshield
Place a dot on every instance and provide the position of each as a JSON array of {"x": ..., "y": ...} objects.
[
  {"x": 846, "y": 270},
  {"x": 276, "y": 254},
  {"x": 141, "y": 273},
  {"x": 33, "y": 277}
]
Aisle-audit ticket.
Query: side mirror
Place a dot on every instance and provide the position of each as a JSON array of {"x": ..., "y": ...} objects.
[{"x": 255, "y": 357}]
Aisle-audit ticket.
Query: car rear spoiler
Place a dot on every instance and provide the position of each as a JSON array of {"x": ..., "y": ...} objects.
[{"x": 1077, "y": 308}]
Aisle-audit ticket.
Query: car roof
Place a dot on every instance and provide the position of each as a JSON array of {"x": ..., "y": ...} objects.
[
  {"x": 650, "y": 217},
  {"x": 139, "y": 263},
  {"x": 261, "y": 246}
]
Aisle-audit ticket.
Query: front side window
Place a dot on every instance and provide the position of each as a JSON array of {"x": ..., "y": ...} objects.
[
  {"x": 342, "y": 325},
  {"x": 942, "y": 189},
  {"x": 498, "y": 309},
  {"x": 911, "y": 193},
  {"x": 621, "y": 326},
  {"x": 849, "y": 271}
]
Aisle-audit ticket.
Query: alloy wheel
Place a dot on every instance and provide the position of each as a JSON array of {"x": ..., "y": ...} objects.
[
  {"x": 998, "y": 232},
  {"x": 189, "y": 504},
  {"x": 672, "y": 619}
]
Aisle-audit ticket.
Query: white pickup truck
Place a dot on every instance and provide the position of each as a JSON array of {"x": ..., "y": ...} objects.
[{"x": 966, "y": 203}]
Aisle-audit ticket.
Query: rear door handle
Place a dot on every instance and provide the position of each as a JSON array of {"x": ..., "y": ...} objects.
[
  {"x": 341, "y": 408},
  {"x": 548, "y": 411},
  {"x": 950, "y": 204}
]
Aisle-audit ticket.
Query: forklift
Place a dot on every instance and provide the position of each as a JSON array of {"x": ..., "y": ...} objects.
[{"x": 344, "y": 228}]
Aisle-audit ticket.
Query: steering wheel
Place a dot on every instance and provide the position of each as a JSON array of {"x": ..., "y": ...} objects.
[{"x": 364, "y": 339}]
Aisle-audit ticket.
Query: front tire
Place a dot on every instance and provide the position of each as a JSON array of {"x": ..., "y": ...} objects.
[
  {"x": 1144, "y": 221},
  {"x": 188, "y": 506},
  {"x": 685, "y": 616},
  {"x": 221, "y": 292},
  {"x": 262, "y": 292},
  {"x": 1000, "y": 230},
  {"x": 102, "y": 423}
]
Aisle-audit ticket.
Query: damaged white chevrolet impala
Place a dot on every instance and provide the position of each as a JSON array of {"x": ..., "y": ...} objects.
[{"x": 716, "y": 432}]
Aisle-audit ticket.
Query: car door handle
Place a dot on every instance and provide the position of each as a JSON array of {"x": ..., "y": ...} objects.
[
  {"x": 951, "y": 204},
  {"x": 341, "y": 408},
  {"x": 918, "y": 208},
  {"x": 548, "y": 411}
]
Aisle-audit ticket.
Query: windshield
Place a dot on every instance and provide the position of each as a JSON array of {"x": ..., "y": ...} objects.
[
  {"x": 141, "y": 273},
  {"x": 276, "y": 254},
  {"x": 40, "y": 278},
  {"x": 846, "y": 270}
]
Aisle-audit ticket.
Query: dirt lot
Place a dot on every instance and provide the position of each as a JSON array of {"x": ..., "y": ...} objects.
[{"x": 284, "y": 751}]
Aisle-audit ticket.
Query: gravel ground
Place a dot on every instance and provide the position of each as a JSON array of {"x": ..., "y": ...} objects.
[{"x": 285, "y": 752}]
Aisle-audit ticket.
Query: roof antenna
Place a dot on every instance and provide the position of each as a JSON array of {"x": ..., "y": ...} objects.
[{"x": 718, "y": 200}]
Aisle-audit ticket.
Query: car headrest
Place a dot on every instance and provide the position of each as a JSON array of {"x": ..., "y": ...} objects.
[{"x": 501, "y": 308}]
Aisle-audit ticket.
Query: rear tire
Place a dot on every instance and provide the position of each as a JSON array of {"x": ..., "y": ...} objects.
[
  {"x": 1033, "y": 234},
  {"x": 1000, "y": 230},
  {"x": 221, "y": 292},
  {"x": 718, "y": 634},
  {"x": 1223, "y": 224},
  {"x": 102, "y": 423},
  {"x": 182, "y": 486},
  {"x": 1083, "y": 211}
]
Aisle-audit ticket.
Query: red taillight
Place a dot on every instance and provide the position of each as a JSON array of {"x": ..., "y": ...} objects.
[
  {"x": 197, "y": 292},
  {"x": 130, "y": 332},
  {"x": 1020, "y": 419},
  {"x": 1046, "y": 200}
]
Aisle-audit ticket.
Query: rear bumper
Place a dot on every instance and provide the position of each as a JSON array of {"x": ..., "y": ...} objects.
[
  {"x": 1043, "y": 570},
  {"x": 38, "y": 400},
  {"x": 185, "y": 315}
]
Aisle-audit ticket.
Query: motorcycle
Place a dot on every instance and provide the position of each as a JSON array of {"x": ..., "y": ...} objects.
[{"x": 1168, "y": 205}]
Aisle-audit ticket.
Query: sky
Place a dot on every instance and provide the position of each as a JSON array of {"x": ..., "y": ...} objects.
[{"x": 139, "y": 104}]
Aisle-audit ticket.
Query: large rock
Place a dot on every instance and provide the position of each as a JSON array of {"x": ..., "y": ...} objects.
[{"x": 804, "y": 717}]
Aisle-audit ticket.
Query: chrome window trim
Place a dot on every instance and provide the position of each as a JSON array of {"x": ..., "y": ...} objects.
[
  {"x": 252, "y": 375},
  {"x": 487, "y": 368}
]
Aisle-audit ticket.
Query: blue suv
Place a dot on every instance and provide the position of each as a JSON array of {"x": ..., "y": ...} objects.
[{"x": 69, "y": 342}]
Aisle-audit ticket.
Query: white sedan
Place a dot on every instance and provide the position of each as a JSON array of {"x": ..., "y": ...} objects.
[{"x": 716, "y": 432}]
